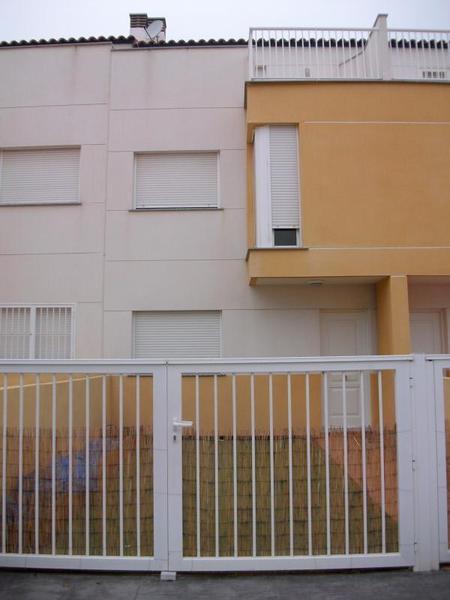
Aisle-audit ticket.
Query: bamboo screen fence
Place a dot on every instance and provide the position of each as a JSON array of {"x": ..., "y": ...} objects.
[
  {"x": 300, "y": 497},
  {"x": 205, "y": 482}
]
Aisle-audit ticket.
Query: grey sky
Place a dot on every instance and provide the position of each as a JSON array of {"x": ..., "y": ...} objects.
[{"x": 27, "y": 19}]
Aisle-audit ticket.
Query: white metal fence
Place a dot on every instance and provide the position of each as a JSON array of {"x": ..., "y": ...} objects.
[
  {"x": 348, "y": 54},
  {"x": 225, "y": 465}
]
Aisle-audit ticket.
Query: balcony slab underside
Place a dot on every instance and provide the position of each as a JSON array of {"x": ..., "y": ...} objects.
[{"x": 297, "y": 265}]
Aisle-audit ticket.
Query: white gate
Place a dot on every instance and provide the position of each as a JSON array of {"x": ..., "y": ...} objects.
[
  {"x": 441, "y": 368},
  {"x": 259, "y": 480},
  {"x": 83, "y": 465},
  {"x": 224, "y": 465}
]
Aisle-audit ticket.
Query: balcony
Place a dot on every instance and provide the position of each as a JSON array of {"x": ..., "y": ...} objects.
[{"x": 372, "y": 54}]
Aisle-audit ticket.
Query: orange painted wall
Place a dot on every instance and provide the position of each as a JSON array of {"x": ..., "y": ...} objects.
[{"x": 373, "y": 160}]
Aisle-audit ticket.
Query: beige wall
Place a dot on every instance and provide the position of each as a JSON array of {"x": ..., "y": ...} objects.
[
  {"x": 110, "y": 261},
  {"x": 57, "y": 96}
]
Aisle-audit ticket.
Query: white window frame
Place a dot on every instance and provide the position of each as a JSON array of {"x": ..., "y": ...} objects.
[
  {"x": 156, "y": 207},
  {"x": 33, "y": 307},
  {"x": 49, "y": 148},
  {"x": 263, "y": 193}
]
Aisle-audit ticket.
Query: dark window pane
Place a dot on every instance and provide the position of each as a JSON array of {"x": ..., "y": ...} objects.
[{"x": 285, "y": 237}]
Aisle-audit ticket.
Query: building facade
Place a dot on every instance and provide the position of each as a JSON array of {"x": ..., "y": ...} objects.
[{"x": 160, "y": 200}]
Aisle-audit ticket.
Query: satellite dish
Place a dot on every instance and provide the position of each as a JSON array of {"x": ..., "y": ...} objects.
[{"x": 154, "y": 29}]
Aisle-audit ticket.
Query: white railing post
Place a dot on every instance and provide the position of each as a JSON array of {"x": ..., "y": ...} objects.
[
  {"x": 250, "y": 54},
  {"x": 384, "y": 58},
  {"x": 424, "y": 465}
]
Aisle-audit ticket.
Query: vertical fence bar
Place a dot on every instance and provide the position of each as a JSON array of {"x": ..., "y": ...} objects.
[
  {"x": 37, "y": 417},
  {"x": 87, "y": 458},
  {"x": 291, "y": 493},
  {"x": 70, "y": 427},
  {"x": 363, "y": 460},
  {"x": 344, "y": 414},
  {"x": 383, "y": 496},
  {"x": 308, "y": 462},
  {"x": 216, "y": 469},
  {"x": 263, "y": 62},
  {"x": 197, "y": 461},
  {"x": 53, "y": 464},
  {"x": 5, "y": 422},
  {"x": 272, "y": 482},
  {"x": 104, "y": 465},
  {"x": 121, "y": 465},
  {"x": 20, "y": 516},
  {"x": 363, "y": 54},
  {"x": 378, "y": 55},
  {"x": 252, "y": 411},
  {"x": 250, "y": 55},
  {"x": 327, "y": 463},
  {"x": 138, "y": 465},
  {"x": 235, "y": 510}
]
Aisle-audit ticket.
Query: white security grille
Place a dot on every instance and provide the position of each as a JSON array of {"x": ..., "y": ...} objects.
[
  {"x": 176, "y": 180},
  {"x": 177, "y": 334},
  {"x": 53, "y": 332},
  {"x": 35, "y": 332},
  {"x": 284, "y": 176},
  {"x": 44, "y": 176},
  {"x": 15, "y": 332}
]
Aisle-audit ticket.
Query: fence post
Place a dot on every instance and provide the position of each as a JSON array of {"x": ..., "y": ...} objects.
[
  {"x": 160, "y": 465},
  {"x": 424, "y": 465}
]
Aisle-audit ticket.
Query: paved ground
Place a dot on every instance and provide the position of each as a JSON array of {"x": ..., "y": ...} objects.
[{"x": 381, "y": 585}]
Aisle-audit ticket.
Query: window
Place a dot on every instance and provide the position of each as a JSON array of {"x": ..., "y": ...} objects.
[
  {"x": 40, "y": 176},
  {"x": 176, "y": 180},
  {"x": 277, "y": 186},
  {"x": 177, "y": 334},
  {"x": 28, "y": 332},
  {"x": 285, "y": 237}
]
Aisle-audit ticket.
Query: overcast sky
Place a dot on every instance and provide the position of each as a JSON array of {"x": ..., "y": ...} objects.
[{"x": 28, "y": 19}]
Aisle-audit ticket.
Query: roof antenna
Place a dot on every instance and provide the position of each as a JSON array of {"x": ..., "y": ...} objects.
[{"x": 154, "y": 29}]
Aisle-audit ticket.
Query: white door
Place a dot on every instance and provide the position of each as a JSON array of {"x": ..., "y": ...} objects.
[
  {"x": 426, "y": 332},
  {"x": 345, "y": 334}
]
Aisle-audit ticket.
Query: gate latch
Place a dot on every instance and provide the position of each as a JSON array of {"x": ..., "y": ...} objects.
[{"x": 179, "y": 424}]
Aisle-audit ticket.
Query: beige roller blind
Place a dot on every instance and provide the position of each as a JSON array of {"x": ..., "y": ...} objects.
[
  {"x": 39, "y": 176},
  {"x": 284, "y": 176},
  {"x": 178, "y": 334},
  {"x": 176, "y": 180}
]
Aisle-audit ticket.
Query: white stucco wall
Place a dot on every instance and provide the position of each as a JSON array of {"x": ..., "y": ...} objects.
[
  {"x": 57, "y": 96},
  {"x": 110, "y": 260}
]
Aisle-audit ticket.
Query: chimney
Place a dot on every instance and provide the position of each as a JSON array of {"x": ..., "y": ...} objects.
[{"x": 147, "y": 29}]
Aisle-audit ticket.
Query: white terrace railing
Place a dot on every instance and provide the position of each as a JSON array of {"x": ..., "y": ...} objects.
[{"x": 349, "y": 54}]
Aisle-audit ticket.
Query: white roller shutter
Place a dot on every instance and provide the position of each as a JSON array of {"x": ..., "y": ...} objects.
[
  {"x": 284, "y": 176},
  {"x": 176, "y": 180},
  {"x": 39, "y": 176},
  {"x": 180, "y": 334}
]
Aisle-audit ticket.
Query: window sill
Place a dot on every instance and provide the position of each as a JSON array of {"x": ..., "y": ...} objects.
[
  {"x": 176, "y": 209},
  {"x": 279, "y": 248},
  {"x": 9, "y": 204}
]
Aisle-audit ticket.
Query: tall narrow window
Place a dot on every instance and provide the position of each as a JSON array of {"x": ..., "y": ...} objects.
[
  {"x": 36, "y": 332},
  {"x": 39, "y": 176},
  {"x": 277, "y": 186}
]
